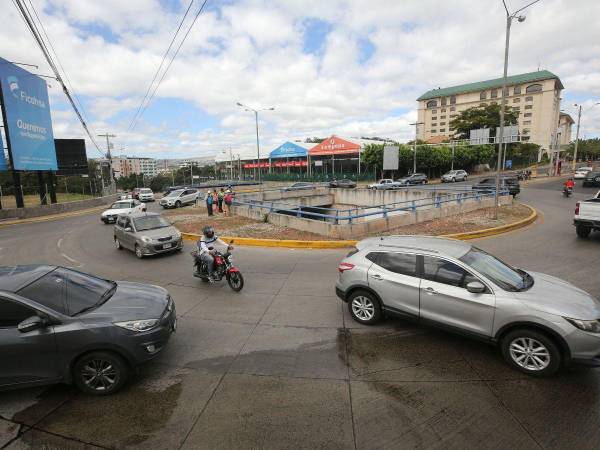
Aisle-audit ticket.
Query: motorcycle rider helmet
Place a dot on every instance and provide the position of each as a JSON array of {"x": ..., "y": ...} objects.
[{"x": 208, "y": 231}]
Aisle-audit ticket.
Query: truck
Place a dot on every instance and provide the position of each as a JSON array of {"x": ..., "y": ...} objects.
[
  {"x": 587, "y": 216},
  {"x": 384, "y": 183}
]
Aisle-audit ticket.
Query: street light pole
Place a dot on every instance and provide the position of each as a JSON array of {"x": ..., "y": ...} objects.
[
  {"x": 576, "y": 137},
  {"x": 416, "y": 124},
  {"x": 108, "y": 156}
]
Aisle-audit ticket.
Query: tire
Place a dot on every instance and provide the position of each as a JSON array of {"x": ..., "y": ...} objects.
[
  {"x": 465, "y": 178},
  {"x": 118, "y": 245},
  {"x": 453, "y": 180},
  {"x": 364, "y": 308},
  {"x": 583, "y": 231},
  {"x": 516, "y": 344},
  {"x": 87, "y": 369},
  {"x": 597, "y": 180},
  {"x": 177, "y": 204},
  {"x": 138, "y": 251},
  {"x": 236, "y": 281}
]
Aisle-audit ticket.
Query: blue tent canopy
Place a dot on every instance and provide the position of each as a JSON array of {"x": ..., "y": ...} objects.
[{"x": 289, "y": 150}]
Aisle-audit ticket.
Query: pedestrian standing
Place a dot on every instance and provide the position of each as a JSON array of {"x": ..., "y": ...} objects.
[
  {"x": 228, "y": 200},
  {"x": 215, "y": 197},
  {"x": 220, "y": 197},
  {"x": 209, "y": 203}
]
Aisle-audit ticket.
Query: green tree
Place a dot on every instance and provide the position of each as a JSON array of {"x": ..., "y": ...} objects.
[
  {"x": 482, "y": 117},
  {"x": 587, "y": 149}
]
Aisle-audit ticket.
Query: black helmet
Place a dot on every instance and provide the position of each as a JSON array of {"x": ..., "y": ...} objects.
[{"x": 208, "y": 231}]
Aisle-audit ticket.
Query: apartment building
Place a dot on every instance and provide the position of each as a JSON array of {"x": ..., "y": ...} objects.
[
  {"x": 535, "y": 95},
  {"x": 565, "y": 124},
  {"x": 124, "y": 166}
]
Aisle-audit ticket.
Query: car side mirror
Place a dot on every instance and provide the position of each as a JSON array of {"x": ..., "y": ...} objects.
[
  {"x": 128, "y": 229},
  {"x": 475, "y": 287},
  {"x": 32, "y": 323}
]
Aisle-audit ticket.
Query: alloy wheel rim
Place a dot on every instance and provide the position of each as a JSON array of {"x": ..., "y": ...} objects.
[
  {"x": 117, "y": 243},
  {"x": 363, "y": 308},
  {"x": 99, "y": 375},
  {"x": 529, "y": 354},
  {"x": 235, "y": 280},
  {"x": 138, "y": 252}
]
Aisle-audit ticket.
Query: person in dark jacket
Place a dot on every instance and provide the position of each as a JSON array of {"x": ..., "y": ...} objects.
[{"x": 209, "y": 203}]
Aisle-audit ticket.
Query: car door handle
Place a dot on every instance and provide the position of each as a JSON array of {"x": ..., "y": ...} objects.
[
  {"x": 377, "y": 277},
  {"x": 431, "y": 291}
]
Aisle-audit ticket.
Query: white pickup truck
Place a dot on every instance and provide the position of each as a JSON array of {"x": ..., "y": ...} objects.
[
  {"x": 384, "y": 183},
  {"x": 587, "y": 216}
]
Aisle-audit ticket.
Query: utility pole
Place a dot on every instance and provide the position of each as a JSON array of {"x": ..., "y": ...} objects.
[
  {"x": 109, "y": 157},
  {"x": 256, "y": 111},
  {"x": 576, "y": 137}
]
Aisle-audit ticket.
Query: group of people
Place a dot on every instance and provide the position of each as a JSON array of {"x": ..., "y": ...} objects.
[{"x": 219, "y": 201}]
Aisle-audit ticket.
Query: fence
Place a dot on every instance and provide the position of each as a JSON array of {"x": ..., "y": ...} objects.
[{"x": 33, "y": 196}]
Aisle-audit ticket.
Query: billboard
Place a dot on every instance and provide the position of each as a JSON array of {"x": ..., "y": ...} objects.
[
  {"x": 479, "y": 136},
  {"x": 390, "y": 157},
  {"x": 71, "y": 156},
  {"x": 27, "y": 118}
]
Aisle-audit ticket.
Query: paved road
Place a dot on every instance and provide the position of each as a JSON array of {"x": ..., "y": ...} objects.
[{"x": 281, "y": 365}]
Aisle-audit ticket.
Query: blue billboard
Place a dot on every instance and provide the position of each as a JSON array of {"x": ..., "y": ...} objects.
[
  {"x": 28, "y": 122},
  {"x": 289, "y": 150}
]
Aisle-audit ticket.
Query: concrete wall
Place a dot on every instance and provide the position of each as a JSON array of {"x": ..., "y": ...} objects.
[{"x": 57, "y": 208}]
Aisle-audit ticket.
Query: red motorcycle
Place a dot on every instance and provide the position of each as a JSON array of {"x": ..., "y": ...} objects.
[{"x": 223, "y": 268}]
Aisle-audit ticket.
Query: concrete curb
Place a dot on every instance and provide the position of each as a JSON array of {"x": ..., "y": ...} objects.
[
  {"x": 48, "y": 218},
  {"x": 288, "y": 243}
]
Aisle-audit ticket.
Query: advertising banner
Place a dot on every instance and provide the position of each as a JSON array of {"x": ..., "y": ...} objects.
[
  {"x": 28, "y": 121},
  {"x": 334, "y": 146},
  {"x": 391, "y": 157},
  {"x": 288, "y": 150}
]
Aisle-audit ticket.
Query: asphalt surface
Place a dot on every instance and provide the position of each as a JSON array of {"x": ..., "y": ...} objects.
[{"x": 282, "y": 365}]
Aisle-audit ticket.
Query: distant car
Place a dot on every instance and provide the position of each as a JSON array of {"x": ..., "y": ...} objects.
[
  {"x": 121, "y": 207},
  {"x": 301, "y": 185},
  {"x": 384, "y": 184},
  {"x": 488, "y": 185},
  {"x": 179, "y": 198},
  {"x": 592, "y": 179},
  {"x": 146, "y": 234},
  {"x": 343, "y": 183},
  {"x": 415, "y": 178},
  {"x": 145, "y": 195},
  {"x": 58, "y": 325},
  {"x": 454, "y": 175},
  {"x": 125, "y": 195}
]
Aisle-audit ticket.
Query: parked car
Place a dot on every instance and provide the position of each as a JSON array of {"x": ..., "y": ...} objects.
[
  {"x": 582, "y": 172},
  {"x": 179, "y": 198},
  {"x": 300, "y": 185},
  {"x": 146, "y": 195},
  {"x": 124, "y": 195},
  {"x": 539, "y": 322},
  {"x": 121, "y": 207},
  {"x": 488, "y": 185},
  {"x": 592, "y": 179},
  {"x": 146, "y": 234},
  {"x": 170, "y": 189},
  {"x": 587, "y": 216},
  {"x": 343, "y": 183},
  {"x": 58, "y": 325},
  {"x": 384, "y": 183},
  {"x": 415, "y": 178},
  {"x": 454, "y": 175}
]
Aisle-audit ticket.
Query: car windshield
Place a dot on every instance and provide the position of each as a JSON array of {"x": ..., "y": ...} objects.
[
  {"x": 452, "y": 172},
  {"x": 174, "y": 193},
  {"x": 145, "y": 191},
  {"x": 502, "y": 274},
  {"x": 150, "y": 223},
  {"x": 119, "y": 205}
]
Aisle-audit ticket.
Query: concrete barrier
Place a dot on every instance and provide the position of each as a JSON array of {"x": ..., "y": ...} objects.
[{"x": 56, "y": 208}]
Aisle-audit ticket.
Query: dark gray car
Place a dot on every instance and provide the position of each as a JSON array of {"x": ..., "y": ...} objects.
[{"x": 59, "y": 325}]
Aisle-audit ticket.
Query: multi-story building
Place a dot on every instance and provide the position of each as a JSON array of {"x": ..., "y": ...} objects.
[
  {"x": 535, "y": 95},
  {"x": 565, "y": 123},
  {"x": 124, "y": 166}
]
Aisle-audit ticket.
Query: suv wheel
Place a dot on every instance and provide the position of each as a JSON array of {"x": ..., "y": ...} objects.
[
  {"x": 100, "y": 373},
  {"x": 118, "y": 245},
  {"x": 364, "y": 308},
  {"x": 138, "y": 251},
  {"x": 583, "y": 231},
  {"x": 177, "y": 204},
  {"x": 531, "y": 352}
]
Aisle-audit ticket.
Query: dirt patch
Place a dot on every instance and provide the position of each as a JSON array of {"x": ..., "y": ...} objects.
[{"x": 192, "y": 219}]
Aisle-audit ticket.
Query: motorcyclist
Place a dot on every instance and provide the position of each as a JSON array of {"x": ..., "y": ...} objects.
[
  {"x": 206, "y": 249},
  {"x": 570, "y": 183}
]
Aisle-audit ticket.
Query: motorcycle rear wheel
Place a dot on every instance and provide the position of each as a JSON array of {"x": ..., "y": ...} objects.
[{"x": 235, "y": 281}]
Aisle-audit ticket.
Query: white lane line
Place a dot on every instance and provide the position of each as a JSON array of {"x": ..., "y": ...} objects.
[
  {"x": 59, "y": 242},
  {"x": 67, "y": 257}
]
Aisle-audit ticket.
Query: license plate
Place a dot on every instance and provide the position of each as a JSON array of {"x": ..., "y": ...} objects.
[{"x": 169, "y": 245}]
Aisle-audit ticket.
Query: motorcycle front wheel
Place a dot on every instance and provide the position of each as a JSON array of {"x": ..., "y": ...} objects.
[{"x": 236, "y": 281}]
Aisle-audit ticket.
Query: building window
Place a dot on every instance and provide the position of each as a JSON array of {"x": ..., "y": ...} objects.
[
  {"x": 452, "y": 108},
  {"x": 527, "y": 114},
  {"x": 444, "y": 101},
  {"x": 533, "y": 88},
  {"x": 516, "y": 100},
  {"x": 493, "y": 103},
  {"x": 527, "y": 122},
  {"x": 442, "y": 130},
  {"x": 442, "y": 117},
  {"x": 517, "y": 90},
  {"x": 483, "y": 95},
  {"x": 528, "y": 99},
  {"x": 443, "y": 109},
  {"x": 434, "y": 111},
  {"x": 434, "y": 118},
  {"x": 434, "y": 124},
  {"x": 432, "y": 103},
  {"x": 517, "y": 108},
  {"x": 483, "y": 104},
  {"x": 528, "y": 106},
  {"x": 453, "y": 100},
  {"x": 442, "y": 123},
  {"x": 453, "y": 115},
  {"x": 524, "y": 138},
  {"x": 494, "y": 93},
  {"x": 434, "y": 131},
  {"x": 526, "y": 130}
]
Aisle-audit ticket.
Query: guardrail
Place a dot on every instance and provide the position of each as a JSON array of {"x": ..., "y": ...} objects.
[{"x": 351, "y": 214}]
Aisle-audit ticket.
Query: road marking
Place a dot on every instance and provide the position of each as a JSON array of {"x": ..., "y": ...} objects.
[{"x": 59, "y": 242}]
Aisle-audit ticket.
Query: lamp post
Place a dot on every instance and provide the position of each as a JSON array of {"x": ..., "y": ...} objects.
[
  {"x": 256, "y": 111},
  {"x": 416, "y": 124},
  {"x": 509, "y": 19}
]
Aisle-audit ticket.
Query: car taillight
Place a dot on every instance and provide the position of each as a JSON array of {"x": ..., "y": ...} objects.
[
  {"x": 345, "y": 266},
  {"x": 577, "y": 209}
]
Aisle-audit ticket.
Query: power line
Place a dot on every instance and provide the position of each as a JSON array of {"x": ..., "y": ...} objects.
[
  {"x": 133, "y": 120},
  {"x": 171, "y": 62},
  {"x": 24, "y": 11}
]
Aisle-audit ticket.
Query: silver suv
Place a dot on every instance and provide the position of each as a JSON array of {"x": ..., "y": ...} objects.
[{"x": 540, "y": 322}]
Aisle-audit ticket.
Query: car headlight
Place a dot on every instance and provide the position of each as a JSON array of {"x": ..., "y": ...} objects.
[
  {"x": 592, "y": 326},
  {"x": 177, "y": 235},
  {"x": 146, "y": 239},
  {"x": 138, "y": 325}
]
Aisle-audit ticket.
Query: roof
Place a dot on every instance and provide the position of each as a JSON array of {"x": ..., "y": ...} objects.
[
  {"x": 13, "y": 278},
  {"x": 135, "y": 214},
  {"x": 290, "y": 150},
  {"x": 437, "y": 139},
  {"x": 567, "y": 116},
  {"x": 429, "y": 244},
  {"x": 490, "y": 84}
]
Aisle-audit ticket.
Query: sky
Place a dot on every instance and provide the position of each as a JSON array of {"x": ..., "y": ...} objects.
[{"x": 352, "y": 68}]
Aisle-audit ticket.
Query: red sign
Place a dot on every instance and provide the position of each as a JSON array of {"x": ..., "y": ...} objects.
[
  {"x": 334, "y": 146},
  {"x": 302, "y": 163}
]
